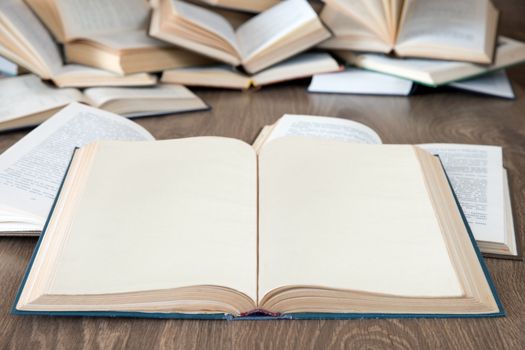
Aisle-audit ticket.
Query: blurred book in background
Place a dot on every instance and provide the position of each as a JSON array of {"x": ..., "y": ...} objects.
[
  {"x": 364, "y": 82},
  {"x": 274, "y": 35},
  {"x": 224, "y": 76},
  {"x": 446, "y": 29},
  {"x": 27, "y": 101},
  {"x": 26, "y": 42}
]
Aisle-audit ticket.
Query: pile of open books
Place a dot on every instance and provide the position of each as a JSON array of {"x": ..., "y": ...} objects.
[{"x": 134, "y": 49}]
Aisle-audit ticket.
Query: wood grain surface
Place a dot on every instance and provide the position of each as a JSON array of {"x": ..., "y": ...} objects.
[{"x": 444, "y": 116}]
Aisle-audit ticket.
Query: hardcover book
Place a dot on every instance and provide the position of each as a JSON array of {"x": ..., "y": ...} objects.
[{"x": 207, "y": 227}]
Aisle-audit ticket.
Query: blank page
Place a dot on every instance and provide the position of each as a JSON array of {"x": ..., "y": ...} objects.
[
  {"x": 161, "y": 215},
  {"x": 349, "y": 216}
]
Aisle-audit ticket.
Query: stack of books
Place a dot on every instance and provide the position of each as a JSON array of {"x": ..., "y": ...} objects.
[{"x": 127, "y": 44}]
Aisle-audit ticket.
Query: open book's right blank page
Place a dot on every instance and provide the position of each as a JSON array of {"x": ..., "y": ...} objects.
[{"x": 348, "y": 216}]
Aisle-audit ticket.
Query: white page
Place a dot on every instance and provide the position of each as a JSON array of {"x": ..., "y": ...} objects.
[
  {"x": 27, "y": 94},
  {"x": 323, "y": 127},
  {"x": 494, "y": 84},
  {"x": 32, "y": 170},
  {"x": 476, "y": 175},
  {"x": 358, "y": 81},
  {"x": 83, "y": 18}
]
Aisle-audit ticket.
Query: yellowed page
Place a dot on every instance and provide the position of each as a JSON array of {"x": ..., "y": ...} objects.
[
  {"x": 166, "y": 214},
  {"x": 349, "y": 216}
]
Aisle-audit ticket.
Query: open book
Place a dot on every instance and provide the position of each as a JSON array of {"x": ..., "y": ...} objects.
[
  {"x": 280, "y": 32},
  {"x": 32, "y": 169},
  {"x": 434, "y": 73},
  {"x": 243, "y": 5},
  {"x": 445, "y": 29},
  {"x": 25, "y": 41},
  {"x": 207, "y": 228},
  {"x": 27, "y": 101},
  {"x": 475, "y": 171},
  {"x": 224, "y": 76},
  {"x": 110, "y": 34}
]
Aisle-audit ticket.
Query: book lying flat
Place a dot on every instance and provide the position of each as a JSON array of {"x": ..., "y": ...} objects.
[
  {"x": 116, "y": 41},
  {"x": 366, "y": 82},
  {"x": 224, "y": 76},
  {"x": 243, "y": 5},
  {"x": 26, "y": 42},
  {"x": 27, "y": 101},
  {"x": 207, "y": 228},
  {"x": 276, "y": 34},
  {"x": 446, "y": 29},
  {"x": 476, "y": 173},
  {"x": 32, "y": 169},
  {"x": 432, "y": 72}
]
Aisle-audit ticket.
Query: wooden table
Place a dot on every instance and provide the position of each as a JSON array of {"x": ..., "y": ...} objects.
[{"x": 445, "y": 116}]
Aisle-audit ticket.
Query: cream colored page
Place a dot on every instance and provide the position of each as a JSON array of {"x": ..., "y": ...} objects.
[
  {"x": 272, "y": 25},
  {"x": 324, "y": 128},
  {"x": 27, "y": 94},
  {"x": 163, "y": 215},
  {"x": 355, "y": 217},
  {"x": 30, "y": 34},
  {"x": 448, "y": 23},
  {"x": 81, "y": 18}
]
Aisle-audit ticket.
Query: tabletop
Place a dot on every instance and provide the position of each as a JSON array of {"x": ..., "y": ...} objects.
[{"x": 444, "y": 116}]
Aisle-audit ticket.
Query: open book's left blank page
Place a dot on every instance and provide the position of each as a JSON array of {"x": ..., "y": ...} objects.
[{"x": 162, "y": 215}]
